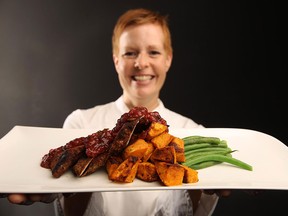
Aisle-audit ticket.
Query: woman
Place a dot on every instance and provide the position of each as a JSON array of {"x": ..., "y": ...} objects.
[{"x": 142, "y": 55}]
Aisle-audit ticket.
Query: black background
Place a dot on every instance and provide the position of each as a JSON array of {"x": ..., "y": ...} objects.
[{"x": 228, "y": 68}]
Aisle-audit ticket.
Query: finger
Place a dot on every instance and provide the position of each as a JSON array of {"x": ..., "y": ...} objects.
[
  {"x": 45, "y": 198},
  {"x": 18, "y": 199}
]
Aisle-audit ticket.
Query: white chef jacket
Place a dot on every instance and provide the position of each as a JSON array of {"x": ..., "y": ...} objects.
[{"x": 140, "y": 203}]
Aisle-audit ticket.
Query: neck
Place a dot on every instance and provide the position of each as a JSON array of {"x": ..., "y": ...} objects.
[{"x": 149, "y": 103}]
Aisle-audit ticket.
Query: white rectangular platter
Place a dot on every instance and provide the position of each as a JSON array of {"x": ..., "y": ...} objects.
[{"x": 23, "y": 147}]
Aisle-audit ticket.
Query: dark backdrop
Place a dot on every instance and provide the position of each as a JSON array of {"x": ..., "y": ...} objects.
[{"x": 228, "y": 68}]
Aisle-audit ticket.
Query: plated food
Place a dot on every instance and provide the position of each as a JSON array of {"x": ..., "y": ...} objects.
[
  {"x": 139, "y": 146},
  {"x": 23, "y": 147}
]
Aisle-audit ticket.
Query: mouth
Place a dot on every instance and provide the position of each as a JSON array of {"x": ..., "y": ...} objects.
[{"x": 142, "y": 77}]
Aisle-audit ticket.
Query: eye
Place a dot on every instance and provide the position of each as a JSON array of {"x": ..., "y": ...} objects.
[
  {"x": 154, "y": 53},
  {"x": 130, "y": 54}
]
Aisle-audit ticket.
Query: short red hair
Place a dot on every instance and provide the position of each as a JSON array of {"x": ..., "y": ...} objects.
[{"x": 135, "y": 17}]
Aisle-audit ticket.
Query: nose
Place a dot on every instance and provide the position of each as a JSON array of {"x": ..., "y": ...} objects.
[{"x": 142, "y": 61}]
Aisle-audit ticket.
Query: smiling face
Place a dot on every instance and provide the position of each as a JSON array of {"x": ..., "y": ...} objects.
[{"x": 142, "y": 63}]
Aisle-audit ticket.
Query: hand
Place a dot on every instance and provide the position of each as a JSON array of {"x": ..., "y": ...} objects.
[{"x": 29, "y": 199}]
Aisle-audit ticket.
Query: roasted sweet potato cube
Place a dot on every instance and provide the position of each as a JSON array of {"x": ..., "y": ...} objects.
[
  {"x": 156, "y": 129},
  {"x": 162, "y": 140},
  {"x": 178, "y": 144},
  {"x": 126, "y": 171},
  {"x": 170, "y": 174},
  {"x": 137, "y": 149},
  {"x": 131, "y": 176},
  {"x": 148, "y": 152},
  {"x": 190, "y": 175},
  {"x": 166, "y": 154},
  {"x": 112, "y": 164},
  {"x": 147, "y": 172}
]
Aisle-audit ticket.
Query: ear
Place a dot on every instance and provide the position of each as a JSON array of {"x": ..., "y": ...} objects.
[
  {"x": 116, "y": 61},
  {"x": 168, "y": 61}
]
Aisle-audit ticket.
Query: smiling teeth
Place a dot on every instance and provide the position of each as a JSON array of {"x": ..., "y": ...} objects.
[{"x": 143, "y": 78}]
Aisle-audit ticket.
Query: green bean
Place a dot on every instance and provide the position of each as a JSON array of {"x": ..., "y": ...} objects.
[
  {"x": 198, "y": 139},
  {"x": 203, "y": 145},
  {"x": 197, "y": 146},
  {"x": 224, "y": 142},
  {"x": 223, "y": 151},
  {"x": 218, "y": 147},
  {"x": 220, "y": 158},
  {"x": 192, "y": 137},
  {"x": 204, "y": 164}
]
